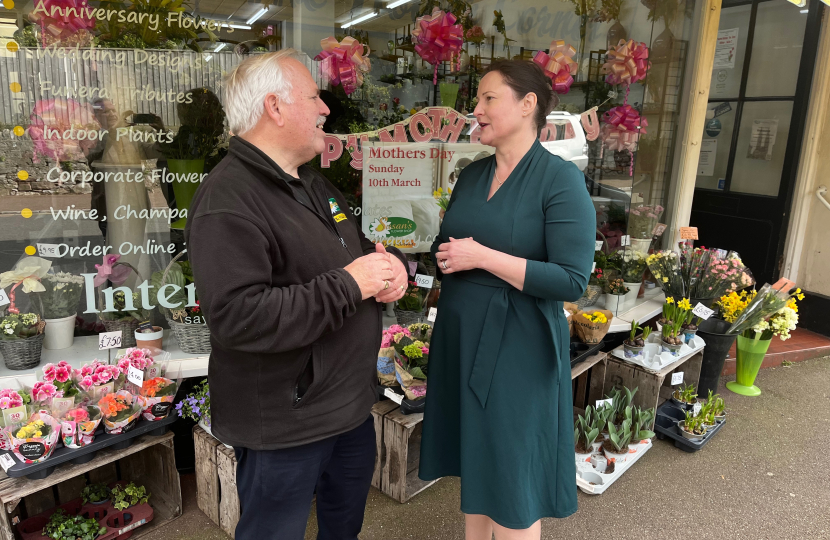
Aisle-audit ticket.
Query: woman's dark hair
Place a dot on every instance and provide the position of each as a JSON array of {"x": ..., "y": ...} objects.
[{"x": 524, "y": 77}]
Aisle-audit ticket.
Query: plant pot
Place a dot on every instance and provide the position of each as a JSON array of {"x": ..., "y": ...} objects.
[
  {"x": 671, "y": 348},
  {"x": 59, "y": 333},
  {"x": 633, "y": 291},
  {"x": 750, "y": 356},
  {"x": 599, "y": 463},
  {"x": 618, "y": 458},
  {"x": 632, "y": 352},
  {"x": 682, "y": 405},
  {"x": 614, "y": 35},
  {"x": 22, "y": 353},
  {"x": 192, "y": 338},
  {"x": 596, "y": 445},
  {"x": 686, "y": 434},
  {"x": 688, "y": 334},
  {"x": 582, "y": 458},
  {"x": 721, "y": 418},
  {"x": 127, "y": 328},
  {"x": 641, "y": 245},
  {"x": 184, "y": 190},
  {"x": 718, "y": 343},
  {"x": 150, "y": 340},
  {"x": 448, "y": 93},
  {"x": 614, "y": 302},
  {"x": 405, "y": 318}
]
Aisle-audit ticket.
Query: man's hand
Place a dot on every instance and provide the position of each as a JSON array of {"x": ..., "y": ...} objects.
[
  {"x": 397, "y": 286},
  {"x": 460, "y": 255},
  {"x": 373, "y": 273}
]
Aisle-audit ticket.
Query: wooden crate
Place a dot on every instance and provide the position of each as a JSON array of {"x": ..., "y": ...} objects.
[
  {"x": 654, "y": 387},
  {"x": 216, "y": 481},
  {"x": 402, "y": 447},
  {"x": 379, "y": 412},
  {"x": 588, "y": 378},
  {"x": 150, "y": 461}
]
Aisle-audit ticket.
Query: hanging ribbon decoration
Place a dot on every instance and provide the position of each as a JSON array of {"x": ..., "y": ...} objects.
[
  {"x": 344, "y": 62},
  {"x": 622, "y": 129},
  {"x": 559, "y": 65},
  {"x": 438, "y": 39},
  {"x": 627, "y": 63}
]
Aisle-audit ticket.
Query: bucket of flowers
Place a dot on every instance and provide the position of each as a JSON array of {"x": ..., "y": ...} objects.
[
  {"x": 35, "y": 441},
  {"x": 78, "y": 425},
  {"x": 119, "y": 410}
]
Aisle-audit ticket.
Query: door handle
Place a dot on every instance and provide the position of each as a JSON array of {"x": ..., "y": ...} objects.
[{"x": 820, "y": 194}]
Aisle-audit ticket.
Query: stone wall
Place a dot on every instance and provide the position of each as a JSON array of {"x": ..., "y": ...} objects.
[{"x": 16, "y": 154}]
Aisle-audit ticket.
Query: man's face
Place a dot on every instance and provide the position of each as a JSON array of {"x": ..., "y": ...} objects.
[{"x": 306, "y": 115}]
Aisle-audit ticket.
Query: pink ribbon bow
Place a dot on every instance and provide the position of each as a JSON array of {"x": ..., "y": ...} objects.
[
  {"x": 344, "y": 62},
  {"x": 623, "y": 127},
  {"x": 58, "y": 27},
  {"x": 627, "y": 64},
  {"x": 559, "y": 65},
  {"x": 438, "y": 38}
]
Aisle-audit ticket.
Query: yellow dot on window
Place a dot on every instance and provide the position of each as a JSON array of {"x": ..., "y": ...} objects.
[
  {"x": 26, "y": 213},
  {"x": 19, "y": 131},
  {"x": 15, "y": 87},
  {"x": 30, "y": 250},
  {"x": 9, "y": 4},
  {"x": 11, "y": 46},
  {"x": 22, "y": 175}
]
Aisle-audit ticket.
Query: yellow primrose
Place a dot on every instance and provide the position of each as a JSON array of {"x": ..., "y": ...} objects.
[{"x": 665, "y": 280}]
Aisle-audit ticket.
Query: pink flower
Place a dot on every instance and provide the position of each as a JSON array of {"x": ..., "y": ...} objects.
[
  {"x": 124, "y": 365},
  {"x": 77, "y": 415},
  {"x": 87, "y": 382},
  {"x": 5, "y": 402},
  {"x": 116, "y": 273},
  {"x": 10, "y": 399},
  {"x": 43, "y": 391},
  {"x": 62, "y": 374},
  {"x": 49, "y": 372},
  {"x": 425, "y": 350}
]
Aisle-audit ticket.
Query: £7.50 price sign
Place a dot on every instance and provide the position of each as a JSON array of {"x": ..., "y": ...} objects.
[{"x": 109, "y": 340}]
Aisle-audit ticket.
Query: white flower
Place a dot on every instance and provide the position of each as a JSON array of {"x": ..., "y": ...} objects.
[
  {"x": 9, "y": 331},
  {"x": 380, "y": 227}
]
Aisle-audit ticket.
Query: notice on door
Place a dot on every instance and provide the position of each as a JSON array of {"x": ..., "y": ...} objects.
[
  {"x": 706, "y": 163},
  {"x": 762, "y": 139},
  {"x": 726, "y": 49}
]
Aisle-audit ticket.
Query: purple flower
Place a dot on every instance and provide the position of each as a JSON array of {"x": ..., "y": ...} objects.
[
  {"x": 202, "y": 401},
  {"x": 196, "y": 409}
]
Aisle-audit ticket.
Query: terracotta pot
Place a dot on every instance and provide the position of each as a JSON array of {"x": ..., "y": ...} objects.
[{"x": 149, "y": 340}]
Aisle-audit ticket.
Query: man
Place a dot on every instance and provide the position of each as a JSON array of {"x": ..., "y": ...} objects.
[{"x": 291, "y": 290}]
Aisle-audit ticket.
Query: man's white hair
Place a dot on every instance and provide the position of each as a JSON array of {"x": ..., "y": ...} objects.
[{"x": 248, "y": 83}]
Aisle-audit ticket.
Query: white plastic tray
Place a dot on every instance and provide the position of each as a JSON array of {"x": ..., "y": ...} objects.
[
  {"x": 652, "y": 357},
  {"x": 594, "y": 483}
]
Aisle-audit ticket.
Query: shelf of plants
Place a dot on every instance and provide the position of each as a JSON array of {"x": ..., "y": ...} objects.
[
  {"x": 609, "y": 440},
  {"x": 687, "y": 421}
]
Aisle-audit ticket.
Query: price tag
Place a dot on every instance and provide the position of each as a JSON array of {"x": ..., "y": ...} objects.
[
  {"x": 659, "y": 229},
  {"x": 625, "y": 240},
  {"x": 145, "y": 326},
  {"x": 703, "y": 312},
  {"x": 433, "y": 313},
  {"x": 397, "y": 398},
  {"x": 109, "y": 340},
  {"x": 784, "y": 284},
  {"x": 153, "y": 372},
  {"x": 696, "y": 408},
  {"x": 15, "y": 415},
  {"x": 677, "y": 378},
  {"x": 413, "y": 267},
  {"x": 601, "y": 402},
  {"x": 688, "y": 233},
  {"x": 598, "y": 245},
  {"x": 593, "y": 267},
  {"x": 7, "y": 462},
  {"x": 424, "y": 281},
  {"x": 48, "y": 250},
  {"x": 4, "y": 298},
  {"x": 135, "y": 376}
]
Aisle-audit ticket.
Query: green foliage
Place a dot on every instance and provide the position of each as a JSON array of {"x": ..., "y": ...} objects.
[
  {"x": 633, "y": 333},
  {"x": 620, "y": 436},
  {"x": 95, "y": 493},
  {"x": 694, "y": 424},
  {"x": 19, "y": 326},
  {"x": 202, "y": 127},
  {"x": 586, "y": 431},
  {"x": 686, "y": 394},
  {"x": 413, "y": 299},
  {"x": 61, "y": 297},
  {"x": 141, "y": 36},
  {"x": 62, "y": 526},
  {"x": 196, "y": 405},
  {"x": 129, "y": 495},
  {"x": 640, "y": 419},
  {"x": 121, "y": 312},
  {"x": 646, "y": 333}
]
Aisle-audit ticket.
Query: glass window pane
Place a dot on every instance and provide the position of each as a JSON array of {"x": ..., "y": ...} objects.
[
  {"x": 776, "y": 50},
  {"x": 729, "y": 55},
  {"x": 762, "y": 143},
  {"x": 714, "y": 150}
]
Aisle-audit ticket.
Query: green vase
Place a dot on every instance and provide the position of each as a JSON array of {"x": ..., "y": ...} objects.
[
  {"x": 750, "y": 356},
  {"x": 449, "y": 94},
  {"x": 183, "y": 186}
]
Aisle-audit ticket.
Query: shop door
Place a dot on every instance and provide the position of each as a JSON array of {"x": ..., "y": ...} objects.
[{"x": 753, "y": 133}]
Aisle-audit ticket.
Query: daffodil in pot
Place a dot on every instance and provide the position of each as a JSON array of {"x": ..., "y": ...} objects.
[
  {"x": 58, "y": 305},
  {"x": 772, "y": 312}
]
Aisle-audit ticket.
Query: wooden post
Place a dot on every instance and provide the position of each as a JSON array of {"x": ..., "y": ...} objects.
[
  {"x": 207, "y": 476},
  {"x": 695, "y": 111}
]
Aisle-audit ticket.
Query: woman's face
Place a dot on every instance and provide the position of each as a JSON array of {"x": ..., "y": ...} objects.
[{"x": 500, "y": 115}]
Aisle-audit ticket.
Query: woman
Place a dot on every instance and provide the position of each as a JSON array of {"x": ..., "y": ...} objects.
[{"x": 517, "y": 240}]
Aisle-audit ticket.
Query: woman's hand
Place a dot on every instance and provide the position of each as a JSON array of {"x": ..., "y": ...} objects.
[{"x": 460, "y": 255}]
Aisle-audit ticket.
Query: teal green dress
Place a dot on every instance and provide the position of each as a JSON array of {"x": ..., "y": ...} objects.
[{"x": 499, "y": 411}]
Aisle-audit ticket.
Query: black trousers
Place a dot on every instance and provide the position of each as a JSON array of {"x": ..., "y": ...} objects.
[{"x": 276, "y": 487}]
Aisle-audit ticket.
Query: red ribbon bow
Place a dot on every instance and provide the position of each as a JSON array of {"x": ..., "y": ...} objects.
[
  {"x": 623, "y": 127},
  {"x": 438, "y": 39}
]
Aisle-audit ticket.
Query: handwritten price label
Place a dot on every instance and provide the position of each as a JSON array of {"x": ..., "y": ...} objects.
[
  {"x": 696, "y": 408},
  {"x": 397, "y": 398},
  {"x": 677, "y": 378},
  {"x": 601, "y": 402},
  {"x": 48, "y": 250},
  {"x": 598, "y": 245},
  {"x": 109, "y": 340},
  {"x": 4, "y": 298},
  {"x": 703, "y": 312},
  {"x": 433, "y": 313},
  {"x": 135, "y": 376},
  {"x": 659, "y": 229},
  {"x": 424, "y": 281},
  {"x": 688, "y": 233},
  {"x": 625, "y": 240}
]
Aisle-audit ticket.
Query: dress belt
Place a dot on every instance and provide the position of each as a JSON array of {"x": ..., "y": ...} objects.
[{"x": 484, "y": 365}]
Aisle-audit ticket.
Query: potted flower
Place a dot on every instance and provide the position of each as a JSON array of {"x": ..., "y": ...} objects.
[
  {"x": 673, "y": 339},
  {"x": 641, "y": 419},
  {"x": 126, "y": 316},
  {"x": 95, "y": 494},
  {"x": 58, "y": 304},
  {"x": 685, "y": 396},
  {"x": 665, "y": 267},
  {"x": 21, "y": 340},
  {"x": 148, "y": 336},
  {"x": 720, "y": 409},
  {"x": 124, "y": 497},
  {"x": 633, "y": 268},
  {"x": 615, "y": 446},
  {"x": 62, "y": 526},
  {"x": 140, "y": 359},
  {"x": 156, "y": 398},
  {"x": 97, "y": 379},
  {"x": 78, "y": 426},
  {"x": 442, "y": 200},
  {"x": 641, "y": 221},
  {"x": 410, "y": 308},
  {"x": 35, "y": 441},
  {"x": 66, "y": 391},
  {"x": 188, "y": 323},
  {"x": 615, "y": 297},
  {"x": 692, "y": 427},
  {"x": 585, "y": 435},
  {"x": 690, "y": 326},
  {"x": 120, "y": 412},
  {"x": 634, "y": 345},
  {"x": 14, "y": 405},
  {"x": 411, "y": 365}
]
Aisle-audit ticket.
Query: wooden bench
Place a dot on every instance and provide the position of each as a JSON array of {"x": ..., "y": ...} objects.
[
  {"x": 216, "y": 492},
  {"x": 149, "y": 461}
]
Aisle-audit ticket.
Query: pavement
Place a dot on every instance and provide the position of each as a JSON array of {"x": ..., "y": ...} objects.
[{"x": 764, "y": 476}]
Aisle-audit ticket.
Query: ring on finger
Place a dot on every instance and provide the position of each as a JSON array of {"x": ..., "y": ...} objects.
[
  {"x": 444, "y": 264},
  {"x": 385, "y": 285}
]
